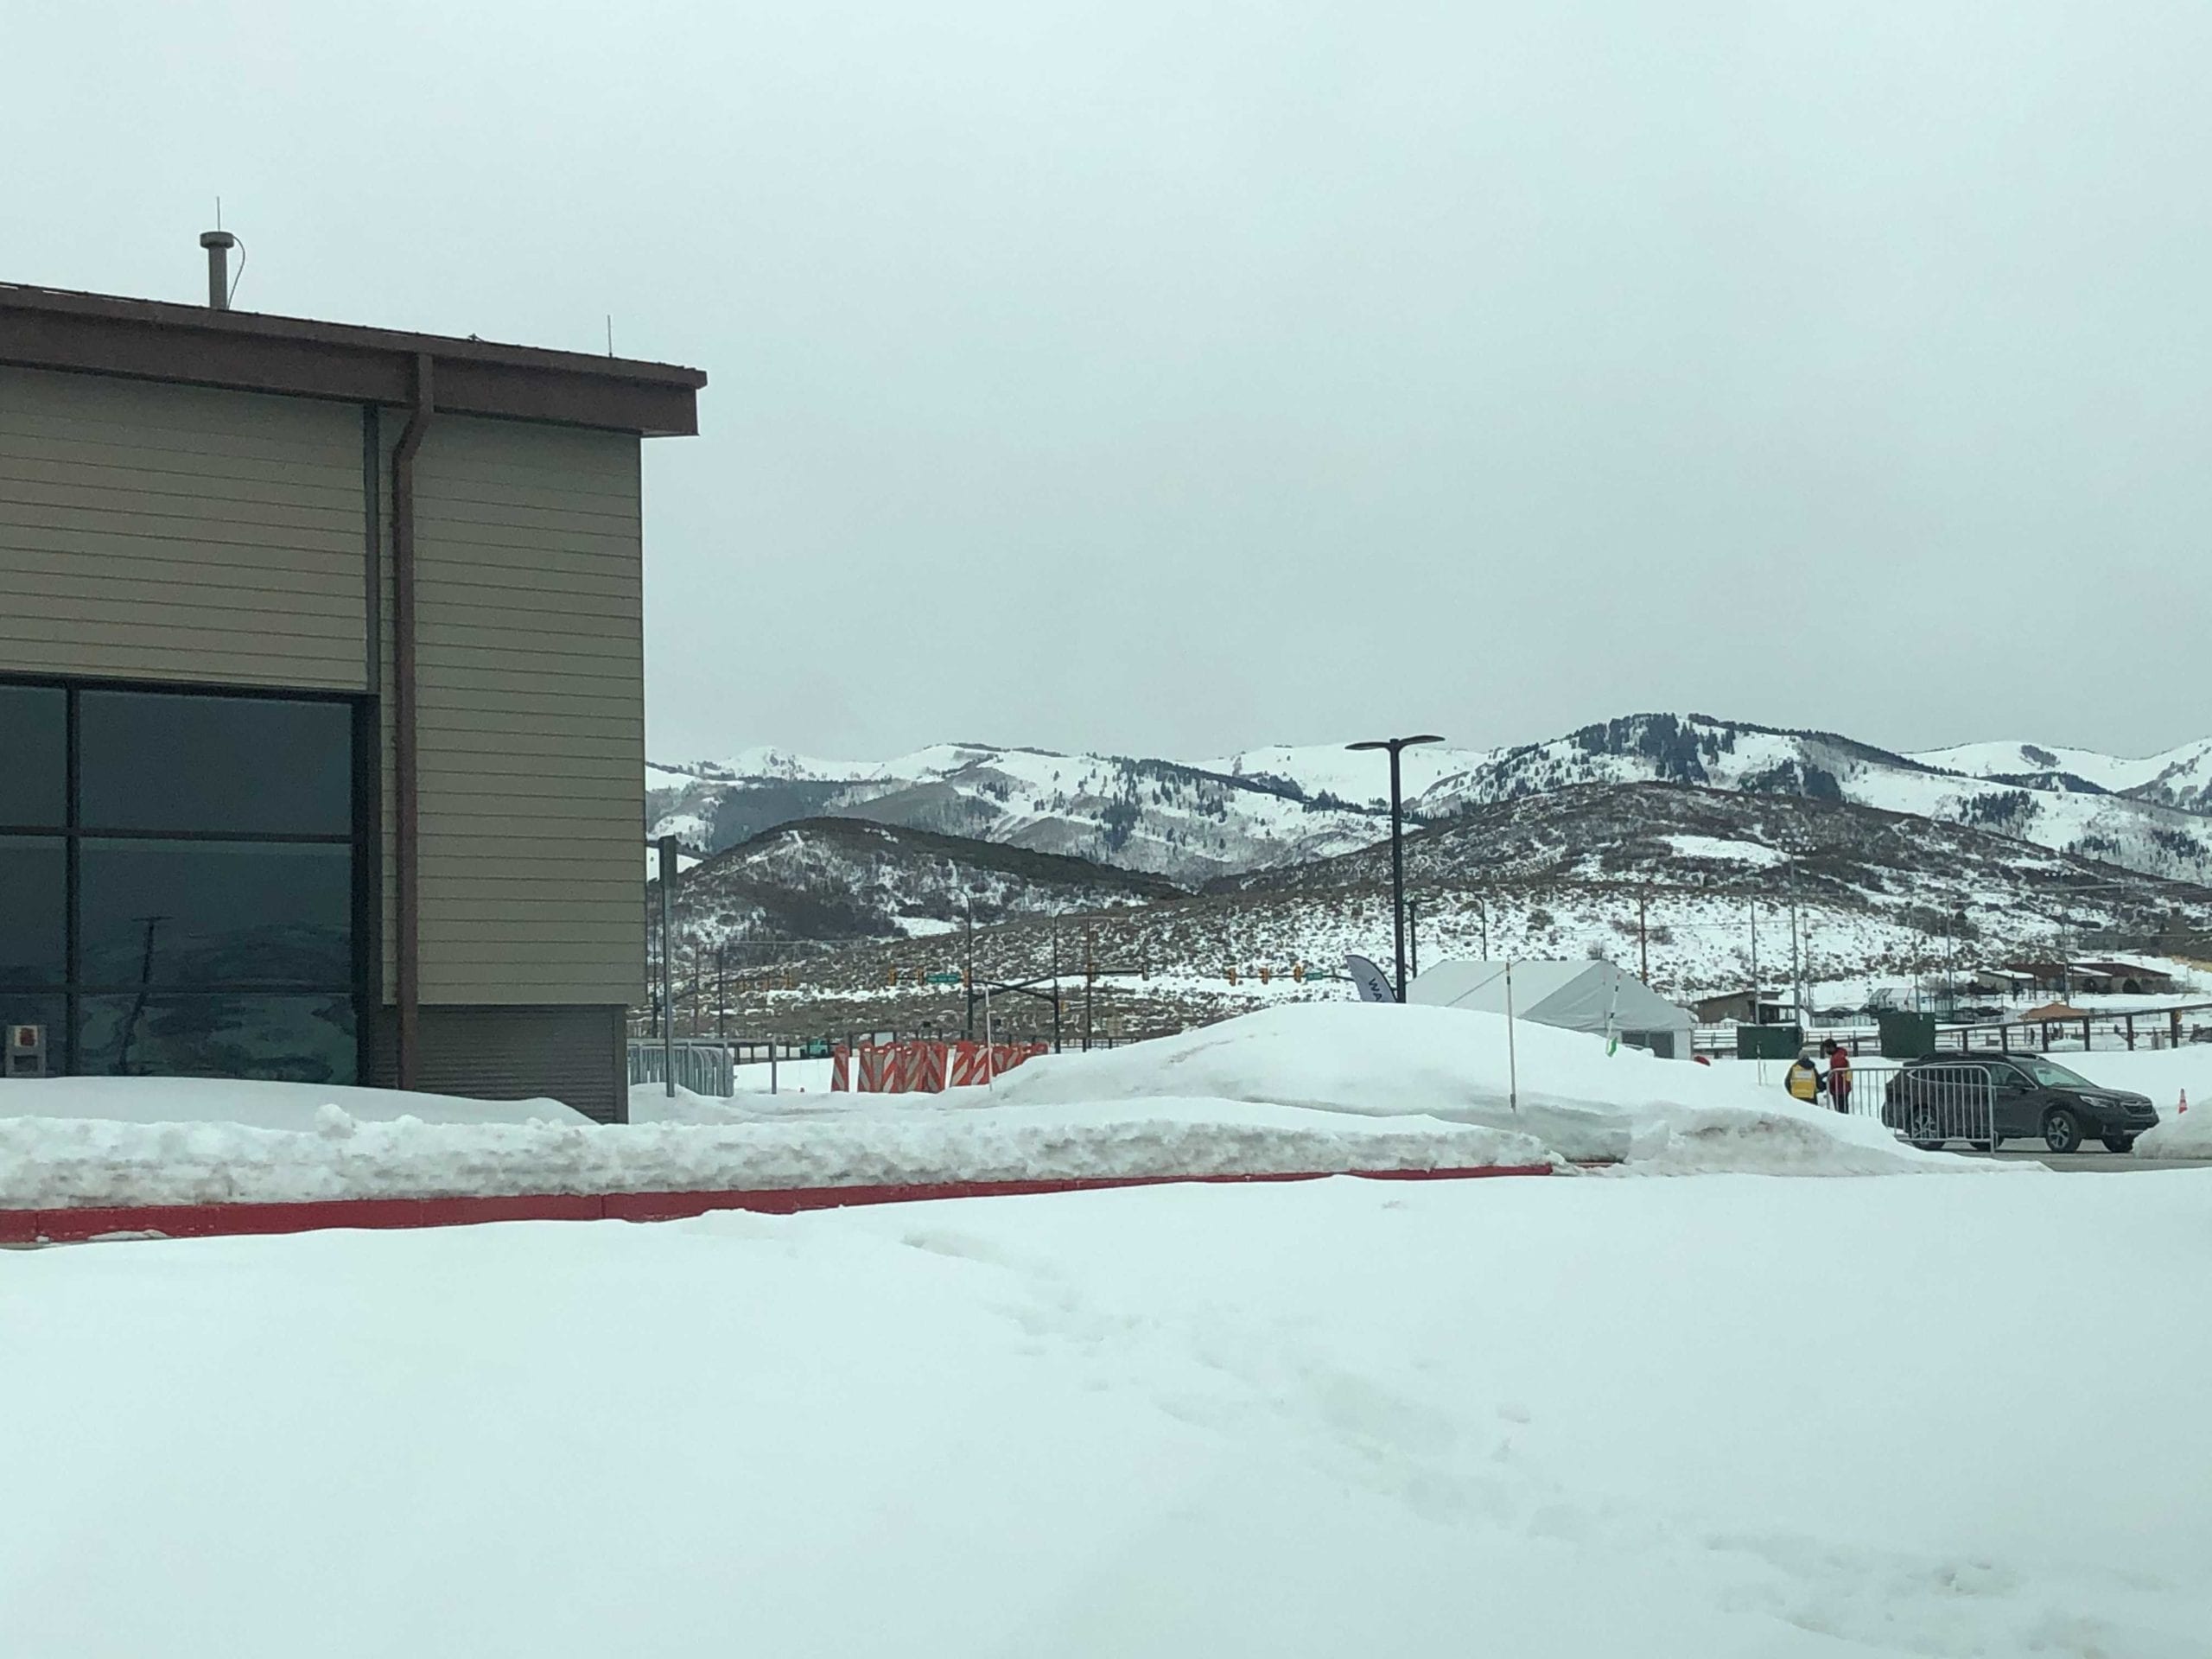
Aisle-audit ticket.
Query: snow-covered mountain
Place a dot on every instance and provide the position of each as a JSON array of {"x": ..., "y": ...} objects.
[
  {"x": 1157, "y": 816},
  {"x": 2059, "y": 807},
  {"x": 1333, "y": 770},
  {"x": 835, "y": 881},
  {"x": 2178, "y": 778},
  {"x": 1272, "y": 807},
  {"x": 1694, "y": 885}
]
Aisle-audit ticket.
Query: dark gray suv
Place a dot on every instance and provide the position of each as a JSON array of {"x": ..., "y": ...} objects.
[{"x": 1985, "y": 1100}]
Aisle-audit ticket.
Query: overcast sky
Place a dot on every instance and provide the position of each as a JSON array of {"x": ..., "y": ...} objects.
[{"x": 1171, "y": 379}]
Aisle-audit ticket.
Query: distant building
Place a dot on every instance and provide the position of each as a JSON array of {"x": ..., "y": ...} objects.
[
  {"x": 322, "y": 698},
  {"x": 2121, "y": 979},
  {"x": 1745, "y": 1008},
  {"x": 2102, "y": 977}
]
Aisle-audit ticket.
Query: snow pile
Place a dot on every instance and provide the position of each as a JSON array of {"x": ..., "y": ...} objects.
[
  {"x": 2189, "y": 1135},
  {"x": 1306, "y": 1089},
  {"x": 2163, "y": 1075},
  {"x": 1579, "y": 1420},
  {"x": 800, "y": 1085},
  {"x": 257, "y": 1105},
  {"x": 47, "y": 1164},
  {"x": 1384, "y": 1060}
]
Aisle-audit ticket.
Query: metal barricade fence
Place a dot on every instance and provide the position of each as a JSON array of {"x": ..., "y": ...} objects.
[
  {"x": 1929, "y": 1104},
  {"x": 700, "y": 1068}
]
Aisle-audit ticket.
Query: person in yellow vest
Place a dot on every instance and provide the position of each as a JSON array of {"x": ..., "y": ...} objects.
[{"x": 1804, "y": 1081}]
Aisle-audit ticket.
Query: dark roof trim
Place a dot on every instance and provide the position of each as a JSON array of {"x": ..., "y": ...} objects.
[{"x": 244, "y": 350}]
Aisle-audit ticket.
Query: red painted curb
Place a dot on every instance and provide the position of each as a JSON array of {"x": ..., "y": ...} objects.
[{"x": 222, "y": 1220}]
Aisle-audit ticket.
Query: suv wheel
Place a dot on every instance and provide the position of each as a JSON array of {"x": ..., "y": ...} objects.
[
  {"x": 1923, "y": 1131},
  {"x": 2119, "y": 1142},
  {"x": 2062, "y": 1130}
]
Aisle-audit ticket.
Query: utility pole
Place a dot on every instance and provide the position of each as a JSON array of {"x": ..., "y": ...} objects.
[
  {"x": 1412, "y": 935},
  {"x": 968, "y": 1030},
  {"x": 667, "y": 957},
  {"x": 721, "y": 989},
  {"x": 1089, "y": 980},
  {"x": 1642, "y": 947},
  {"x": 1396, "y": 746},
  {"x": 1482, "y": 909},
  {"x": 1796, "y": 964},
  {"x": 1755, "y": 959}
]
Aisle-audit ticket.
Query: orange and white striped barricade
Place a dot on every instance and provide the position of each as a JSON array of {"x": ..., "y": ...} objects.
[
  {"x": 890, "y": 1075},
  {"x": 971, "y": 1064},
  {"x": 875, "y": 1061},
  {"x": 937, "y": 1068},
  {"x": 840, "y": 1070},
  {"x": 911, "y": 1067}
]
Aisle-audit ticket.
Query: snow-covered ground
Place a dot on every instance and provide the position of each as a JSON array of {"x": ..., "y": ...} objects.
[
  {"x": 1384, "y": 1060},
  {"x": 1316, "y": 1088},
  {"x": 49, "y": 1164},
  {"x": 1718, "y": 1417},
  {"x": 2164, "y": 1076},
  {"x": 253, "y": 1105}
]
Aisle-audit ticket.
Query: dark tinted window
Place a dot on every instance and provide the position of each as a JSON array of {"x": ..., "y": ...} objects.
[
  {"x": 33, "y": 906},
  {"x": 291, "y": 1039},
  {"x": 34, "y": 756},
  {"x": 147, "y": 760},
  {"x": 200, "y": 912}
]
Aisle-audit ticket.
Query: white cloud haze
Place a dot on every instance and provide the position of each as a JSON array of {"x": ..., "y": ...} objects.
[{"x": 1167, "y": 379}]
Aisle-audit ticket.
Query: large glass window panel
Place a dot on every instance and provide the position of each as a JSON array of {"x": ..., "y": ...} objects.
[
  {"x": 150, "y": 760},
  {"x": 202, "y": 913},
  {"x": 34, "y": 756},
  {"x": 34, "y": 904},
  {"x": 290, "y": 1039}
]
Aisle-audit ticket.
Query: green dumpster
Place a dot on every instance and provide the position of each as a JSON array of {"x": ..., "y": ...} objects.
[
  {"x": 1906, "y": 1036},
  {"x": 1769, "y": 1042}
]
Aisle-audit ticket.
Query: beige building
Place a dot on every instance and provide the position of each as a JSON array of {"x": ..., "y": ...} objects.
[{"x": 322, "y": 698}]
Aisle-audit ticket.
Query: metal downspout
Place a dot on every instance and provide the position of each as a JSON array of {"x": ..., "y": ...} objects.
[{"x": 406, "y": 862}]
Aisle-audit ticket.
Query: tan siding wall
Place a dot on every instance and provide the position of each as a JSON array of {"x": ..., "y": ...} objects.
[
  {"x": 530, "y": 670},
  {"x": 156, "y": 532}
]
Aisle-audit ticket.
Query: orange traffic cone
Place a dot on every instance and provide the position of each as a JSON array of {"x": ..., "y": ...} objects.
[{"x": 2184, "y": 1107}]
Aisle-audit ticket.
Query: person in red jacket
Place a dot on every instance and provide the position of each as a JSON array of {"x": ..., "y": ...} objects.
[{"x": 1838, "y": 1076}]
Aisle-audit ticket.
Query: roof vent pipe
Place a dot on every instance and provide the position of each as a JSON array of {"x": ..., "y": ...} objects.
[{"x": 218, "y": 245}]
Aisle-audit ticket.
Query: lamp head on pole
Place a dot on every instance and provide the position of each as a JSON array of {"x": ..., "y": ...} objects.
[{"x": 1394, "y": 744}]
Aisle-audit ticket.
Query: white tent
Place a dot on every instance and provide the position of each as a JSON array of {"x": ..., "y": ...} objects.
[{"x": 1592, "y": 996}]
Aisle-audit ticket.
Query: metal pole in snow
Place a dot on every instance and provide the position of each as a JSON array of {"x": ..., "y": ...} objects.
[
  {"x": 1796, "y": 964},
  {"x": 1512, "y": 1062},
  {"x": 1398, "y": 873},
  {"x": 1754, "y": 961},
  {"x": 667, "y": 959}
]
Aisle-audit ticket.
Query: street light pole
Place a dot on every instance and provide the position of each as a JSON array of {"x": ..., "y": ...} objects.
[
  {"x": 1394, "y": 745},
  {"x": 668, "y": 874}
]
